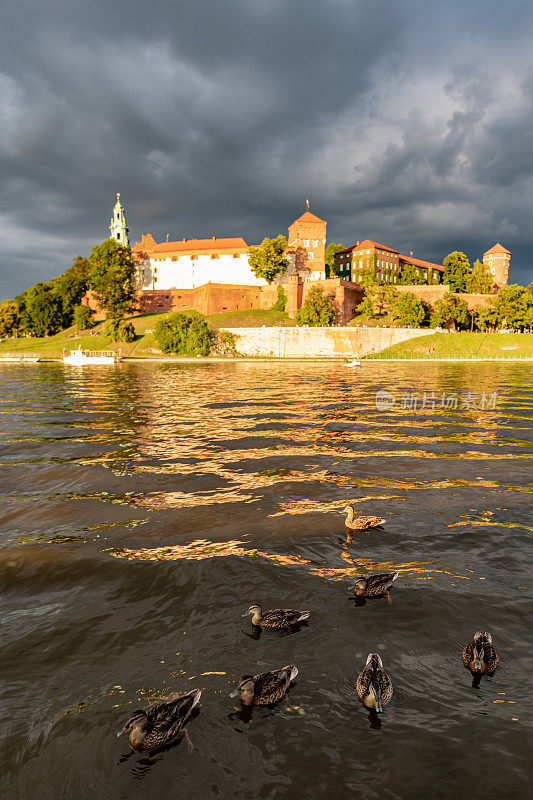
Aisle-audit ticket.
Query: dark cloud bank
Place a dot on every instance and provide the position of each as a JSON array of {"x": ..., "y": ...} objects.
[{"x": 406, "y": 122}]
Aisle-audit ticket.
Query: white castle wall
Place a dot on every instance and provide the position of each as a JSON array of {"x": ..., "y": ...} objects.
[{"x": 188, "y": 273}]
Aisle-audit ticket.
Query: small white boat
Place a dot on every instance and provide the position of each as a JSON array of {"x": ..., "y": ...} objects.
[
  {"x": 79, "y": 357},
  {"x": 354, "y": 363},
  {"x": 18, "y": 357}
]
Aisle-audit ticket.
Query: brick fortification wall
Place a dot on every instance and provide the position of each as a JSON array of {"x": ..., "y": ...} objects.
[
  {"x": 433, "y": 293},
  {"x": 211, "y": 298},
  {"x": 315, "y": 342}
]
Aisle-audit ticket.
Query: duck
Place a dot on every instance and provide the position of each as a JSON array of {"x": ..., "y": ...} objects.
[
  {"x": 373, "y": 685},
  {"x": 158, "y": 725},
  {"x": 276, "y": 620},
  {"x": 265, "y": 688},
  {"x": 360, "y": 523},
  {"x": 374, "y": 585},
  {"x": 479, "y": 655}
]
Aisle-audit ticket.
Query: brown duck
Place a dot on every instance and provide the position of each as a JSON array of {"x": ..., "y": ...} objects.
[
  {"x": 276, "y": 620},
  {"x": 160, "y": 724},
  {"x": 360, "y": 523},
  {"x": 373, "y": 685},
  {"x": 479, "y": 655},
  {"x": 265, "y": 688},
  {"x": 374, "y": 585}
]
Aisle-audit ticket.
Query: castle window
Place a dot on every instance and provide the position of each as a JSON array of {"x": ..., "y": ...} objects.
[
  {"x": 214, "y": 256},
  {"x": 311, "y": 255},
  {"x": 315, "y": 244},
  {"x": 306, "y": 242}
]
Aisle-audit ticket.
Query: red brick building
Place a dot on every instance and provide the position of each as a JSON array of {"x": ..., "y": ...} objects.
[
  {"x": 306, "y": 246},
  {"x": 497, "y": 261},
  {"x": 386, "y": 263}
]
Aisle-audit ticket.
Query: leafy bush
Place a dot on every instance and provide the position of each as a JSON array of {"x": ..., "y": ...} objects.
[
  {"x": 281, "y": 302},
  {"x": 224, "y": 343},
  {"x": 9, "y": 317},
  {"x": 83, "y": 318},
  {"x": 317, "y": 309},
  {"x": 118, "y": 330},
  {"x": 408, "y": 309},
  {"x": 184, "y": 334},
  {"x": 450, "y": 309}
]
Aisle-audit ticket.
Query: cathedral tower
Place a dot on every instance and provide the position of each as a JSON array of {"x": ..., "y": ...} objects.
[{"x": 118, "y": 227}]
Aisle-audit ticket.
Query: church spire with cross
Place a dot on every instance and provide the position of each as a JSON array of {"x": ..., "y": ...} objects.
[{"x": 118, "y": 227}]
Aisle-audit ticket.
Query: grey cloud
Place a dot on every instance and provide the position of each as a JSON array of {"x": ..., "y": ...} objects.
[{"x": 221, "y": 117}]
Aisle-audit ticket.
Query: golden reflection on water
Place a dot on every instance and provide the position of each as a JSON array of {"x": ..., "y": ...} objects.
[{"x": 200, "y": 549}]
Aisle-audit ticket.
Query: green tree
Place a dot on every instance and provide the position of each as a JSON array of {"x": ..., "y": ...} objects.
[
  {"x": 409, "y": 310},
  {"x": 480, "y": 280},
  {"x": 530, "y": 288},
  {"x": 184, "y": 334},
  {"x": 9, "y": 318},
  {"x": 450, "y": 309},
  {"x": 331, "y": 249},
  {"x": 378, "y": 300},
  {"x": 368, "y": 273},
  {"x": 410, "y": 275},
  {"x": 83, "y": 318},
  {"x": 317, "y": 309},
  {"x": 456, "y": 271},
  {"x": 40, "y": 310},
  {"x": 112, "y": 278},
  {"x": 268, "y": 260},
  {"x": 485, "y": 317},
  {"x": 119, "y": 330},
  {"x": 512, "y": 304},
  {"x": 70, "y": 287},
  {"x": 281, "y": 302}
]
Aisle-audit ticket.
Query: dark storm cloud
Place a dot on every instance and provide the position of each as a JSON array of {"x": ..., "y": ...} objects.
[{"x": 221, "y": 117}]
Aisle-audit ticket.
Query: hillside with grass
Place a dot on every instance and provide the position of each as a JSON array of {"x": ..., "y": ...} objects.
[
  {"x": 463, "y": 344},
  {"x": 145, "y": 344}
]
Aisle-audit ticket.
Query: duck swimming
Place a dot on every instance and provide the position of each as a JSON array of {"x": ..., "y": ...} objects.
[
  {"x": 374, "y": 585},
  {"x": 265, "y": 688},
  {"x": 479, "y": 655},
  {"x": 276, "y": 620},
  {"x": 360, "y": 523},
  {"x": 373, "y": 685},
  {"x": 160, "y": 724}
]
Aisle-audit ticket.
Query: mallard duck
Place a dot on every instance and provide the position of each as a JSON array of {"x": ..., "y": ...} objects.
[
  {"x": 276, "y": 620},
  {"x": 479, "y": 656},
  {"x": 160, "y": 724},
  {"x": 374, "y": 585},
  {"x": 373, "y": 685},
  {"x": 360, "y": 523},
  {"x": 265, "y": 688}
]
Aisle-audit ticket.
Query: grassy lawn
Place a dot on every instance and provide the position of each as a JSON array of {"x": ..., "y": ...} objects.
[
  {"x": 145, "y": 344},
  {"x": 465, "y": 345}
]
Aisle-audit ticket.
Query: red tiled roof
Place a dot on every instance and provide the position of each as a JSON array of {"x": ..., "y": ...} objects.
[
  {"x": 307, "y": 217},
  {"x": 192, "y": 245},
  {"x": 417, "y": 262},
  {"x": 367, "y": 243},
  {"x": 498, "y": 248}
]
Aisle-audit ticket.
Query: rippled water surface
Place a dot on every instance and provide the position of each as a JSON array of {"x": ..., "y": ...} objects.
[{"x": 144, "y": 508}]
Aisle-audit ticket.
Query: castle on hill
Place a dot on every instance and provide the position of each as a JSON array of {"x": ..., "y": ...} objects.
[{"x": 214, "y": 275}]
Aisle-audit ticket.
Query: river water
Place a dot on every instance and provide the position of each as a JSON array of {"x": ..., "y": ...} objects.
[{"x": 145, "y": 507}]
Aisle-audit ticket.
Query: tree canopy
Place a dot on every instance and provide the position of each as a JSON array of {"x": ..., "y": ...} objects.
[
  {"x": 410, "y": 275},
  {"x": 111, "y": 278},
  {"x": 450, "y": 309},
  {"x": 410, "y": 310},
  {"x": 456, "y": 271},
  {"x": 317, "y": 309},
  {"x": 267, "y": 260},
  {"x": 480, "y": 280},
  {"x": 185, "y": 334},
  {"x": 331, "y": 249},
  {"x": 9, "y": 315},
  {"x": 514, "y": 307}
]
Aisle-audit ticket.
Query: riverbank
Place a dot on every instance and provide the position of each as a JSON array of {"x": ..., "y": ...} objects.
[{"x": 461, "y": 346}]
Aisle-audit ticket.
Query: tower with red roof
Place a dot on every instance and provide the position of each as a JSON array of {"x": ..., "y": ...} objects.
[{"x": 496, "y": 260}]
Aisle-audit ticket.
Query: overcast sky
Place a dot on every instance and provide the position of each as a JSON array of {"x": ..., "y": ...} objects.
[{"x": 406, "y": 121}]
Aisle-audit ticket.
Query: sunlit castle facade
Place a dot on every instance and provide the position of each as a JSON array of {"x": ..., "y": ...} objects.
[
  {"x": 118, "y": 227},
  {"x": 190, "y": 263},
  {"x": 497, "y": 260},
  {"x": 306, "y": 246}
]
